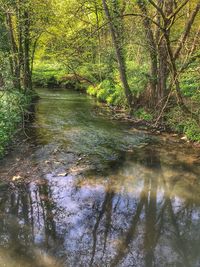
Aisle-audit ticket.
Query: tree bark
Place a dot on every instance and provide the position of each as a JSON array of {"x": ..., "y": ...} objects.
[
  {"x": 15, "y": 69},
  {"x": 27, "y": 70},
  {"x": 120, "y": 55},
  {"x": 152, "y": 48}
]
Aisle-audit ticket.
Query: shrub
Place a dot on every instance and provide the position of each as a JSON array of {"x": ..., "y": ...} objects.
[
  {"x": 190, "y": 82},
  {"x": 137, "y": 77},
  {"x": 45, "y": 74},
  {"x": 144, "y": 115},
  {"x": 181, "y": 123},
  {"x": 106, "y": 88},
  {"x": 92, "y": 90},
  {"x": 117, "y": 98},
  {"x": 12, "y": 105},
  {"x": 192, "y": 130}
]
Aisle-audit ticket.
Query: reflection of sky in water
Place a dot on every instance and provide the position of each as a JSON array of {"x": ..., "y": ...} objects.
[{"x": 104, "y": 221}]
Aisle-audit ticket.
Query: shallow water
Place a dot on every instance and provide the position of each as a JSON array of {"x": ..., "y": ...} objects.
[{"x": 85, "y": 190}]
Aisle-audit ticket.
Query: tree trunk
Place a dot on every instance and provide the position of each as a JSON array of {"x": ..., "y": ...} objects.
[
  {"x": 27, "y": 70},
  {"x": 163, "y": 71},
  {"x": 152, "y": 49},
  {"x": 15, "y": 69},
  {"x": 120, "y": 55}
]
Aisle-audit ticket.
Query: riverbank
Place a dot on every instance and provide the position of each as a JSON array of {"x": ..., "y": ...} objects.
[{"x": 186, "y": 133}]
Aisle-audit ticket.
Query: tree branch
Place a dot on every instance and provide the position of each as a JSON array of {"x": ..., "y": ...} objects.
[
  {"x": 178, "y": 9},
  {"x": 187, "y": 31}
]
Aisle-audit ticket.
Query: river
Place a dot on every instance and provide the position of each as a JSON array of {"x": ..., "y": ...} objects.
[{"x": 81, "y": 189}]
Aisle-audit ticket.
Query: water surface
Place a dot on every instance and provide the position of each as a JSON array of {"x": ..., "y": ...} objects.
[{"x": 85, "y": 190}]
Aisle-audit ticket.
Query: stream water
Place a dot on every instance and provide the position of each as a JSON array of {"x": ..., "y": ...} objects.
[{"x": 85, "y": 190}]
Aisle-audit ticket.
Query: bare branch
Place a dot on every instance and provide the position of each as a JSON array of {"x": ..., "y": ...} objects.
[
  {"x": 158, "y": 9},
  {"x": 178, "y": 9},
  {"x": 187, "y": 31}
]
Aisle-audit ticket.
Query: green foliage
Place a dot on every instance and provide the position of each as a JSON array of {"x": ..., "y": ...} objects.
[
  {"x": 90, "y": 71},
  {"x": 92, "y": 90},
  {"x": 175, "y": 119},
  {"x": 12, "y": 105},
  {"x": 117, "y": 98},
  {"x": 137, "y": 77},
  {"x": 192, "y": 130},
  {"x": 111, "y": 91},
  {"x": 179, "y": 122},
  {"x": 190, "y": 82},
  {"x": 105, "y": 89},
  {"x": 143, "y": 115},
  {"x": 101, "y": 91},
  {"x": 45, "y": 74},
  {"x": 108, "y": 92}
]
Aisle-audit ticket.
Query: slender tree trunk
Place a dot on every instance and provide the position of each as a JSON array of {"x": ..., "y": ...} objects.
[
  {"x": 1, "y": 81},
  {"x": 99, "y": 39},
  {"x": 20, "y": 37},
  {"x": 163, "y": 73},
  {"x": 120, "y": 55},
  {"x": 152, "y": 49},
  {"x": 27, "y": 70},
  {"x": 34, "y": 47},
  {"x": 174, "y": 71},
  {"x": 15, "y": 69}
]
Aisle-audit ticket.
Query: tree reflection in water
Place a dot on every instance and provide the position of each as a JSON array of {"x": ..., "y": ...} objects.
[{"x": 143, "y": 214}]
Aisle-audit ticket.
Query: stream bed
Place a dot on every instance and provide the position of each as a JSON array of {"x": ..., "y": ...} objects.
[{"x": 80, "y": 189}]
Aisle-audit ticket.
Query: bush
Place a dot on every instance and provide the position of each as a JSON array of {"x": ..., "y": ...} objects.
[
  {"x": 192, "y": 130},
  {"x": 117, "y": 98},
  {"x": 11, "y": 109},
  {"x": 45, "y": 74},
  {"x": 190, "y": 82},
  {"x": 143, "y": 115},
  {"x": 108, "y": 92},
  {"x": 181, "y": 123},
  {"x": 137, "y": 77},
  {"x": 92, "y": 90},
  {"x": 105, "y": 89}
]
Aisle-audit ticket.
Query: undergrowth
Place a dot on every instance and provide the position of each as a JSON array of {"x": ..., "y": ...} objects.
[
  {"x": 12, "y": 106},
  {"x": 182, "y": 123}
]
